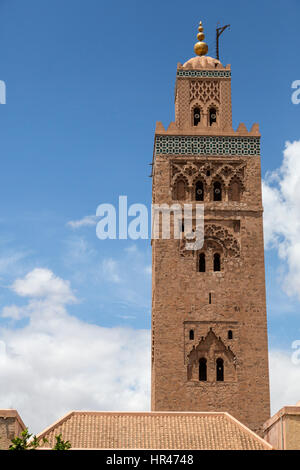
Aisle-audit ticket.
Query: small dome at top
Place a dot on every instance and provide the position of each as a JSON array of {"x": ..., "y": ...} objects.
[{"x": 202, "y": 62}]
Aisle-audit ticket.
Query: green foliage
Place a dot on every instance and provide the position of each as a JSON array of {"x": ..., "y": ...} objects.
[
  {"x": 26, "y": 443},
  {"x": 61, "y": 444}
]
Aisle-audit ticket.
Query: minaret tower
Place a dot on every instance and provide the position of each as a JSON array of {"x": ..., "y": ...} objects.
[{"x": 209, "y": 325}]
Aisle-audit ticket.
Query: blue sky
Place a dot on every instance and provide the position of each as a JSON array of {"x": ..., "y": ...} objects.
[{"x": 86, "y": 82}]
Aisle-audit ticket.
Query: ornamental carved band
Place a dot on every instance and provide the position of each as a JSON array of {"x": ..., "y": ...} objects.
[
  {"x": 204, "y": 145},
  {"x": 204, "y": 73},
  {"x": 191, "y": 172}
]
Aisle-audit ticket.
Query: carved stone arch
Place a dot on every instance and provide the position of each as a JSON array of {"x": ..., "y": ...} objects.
[
  {"x": 240, "y": 171},
  {"x": 225, "y": 172},
  {"x": 180, "y": 188},
  {"x": 211, "y": 348},
  {"x": 212, "y": 104},
  {"x": 209, "y": 107},
  {"x": 176, "y": 168},
  {"x": 207, "y": 171},
  {"x": 196, "y": 105},
  {"x": 211, "y": 340},
  {"x": 235, "y": 189},
  {"x": 189, "y": 170},
  {"x": 220, "y": 236},
  {"x": 218, "y": 187},
  {"x": 223, "y": 236},
  {"x": 199, "y": 178},
  {"x": 210, "y": 247}
]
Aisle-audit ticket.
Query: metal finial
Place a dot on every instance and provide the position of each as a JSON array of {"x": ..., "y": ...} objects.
[{"x": 200, "y": 47}]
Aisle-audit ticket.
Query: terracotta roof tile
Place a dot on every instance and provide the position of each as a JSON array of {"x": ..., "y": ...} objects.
[{"x": 153, "y": 430}]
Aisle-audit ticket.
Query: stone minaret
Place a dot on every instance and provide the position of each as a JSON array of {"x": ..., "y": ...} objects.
[{"x": 209, "y": 325}]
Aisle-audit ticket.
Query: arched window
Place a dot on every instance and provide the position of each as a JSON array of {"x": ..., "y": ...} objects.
[
  {"x": 217, "y": 191},
  {"x": 199, "y": 190},
  {"x": 202, "y": 263},
  {"x": 196, "y": 116},
  {"x": 202, "y": 369},
  {"x": 220, "y": 370},
  {"x": 217, "y": 262},
  {"x": 192, "y": 334},
  {"x": 234, "y": 191},
  {"x": 212, "y": 116},
  {"x": 180, "y": 190},
  {"x": 230, "y": 335}
]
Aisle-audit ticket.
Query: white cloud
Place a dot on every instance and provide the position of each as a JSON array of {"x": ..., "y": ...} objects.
[
  {"x": 57, "y": 362},
  {"x": 281, "y": 197},
  {"x": 284, "y": 380},
  {"x": 13, "y": 312},
  {"x": 43, "y": 283},
  {"x": 86, "y": 221},
  {"x": 124, "y": 273},
  {"x": 110, "y": 270}
]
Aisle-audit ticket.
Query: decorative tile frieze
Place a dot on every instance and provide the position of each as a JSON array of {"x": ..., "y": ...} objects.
[
  {"x": 204, "y": 73},
  {"x": 206, "y": 145}
]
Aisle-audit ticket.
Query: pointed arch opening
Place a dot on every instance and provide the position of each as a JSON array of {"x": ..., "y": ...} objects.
[
  {"x": 180, "y": 190},
  {"x": 199, "y": 191},
  {"x": 196, "y": 116},
  {"x": 235, "y": 191},
  {"x": 217, "y": 262},
  {"x": 212, "y": 116},
  {"x": 201, "y": 263},
  {"x": 202, "y": 369},
  {"x": 217, "y": 191},
  {"x": 192, "y": 335},
  {"x": 220, "y": 369}
]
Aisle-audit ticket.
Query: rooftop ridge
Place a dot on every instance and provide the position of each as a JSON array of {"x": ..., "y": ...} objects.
[{"x": 197, "y": 425}]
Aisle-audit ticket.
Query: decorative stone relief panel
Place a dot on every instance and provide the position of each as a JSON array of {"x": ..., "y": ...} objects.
[
  {"x": 216, "y": 237},
  {"x": 226, "y": 113},
  {"x": 205, "y": 91},
  {"x": 208, "y": 173},
  {"x": 209, "y": 349}
]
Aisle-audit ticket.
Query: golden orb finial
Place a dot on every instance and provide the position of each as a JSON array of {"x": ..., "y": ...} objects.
[{"x": 200, "y": 47}]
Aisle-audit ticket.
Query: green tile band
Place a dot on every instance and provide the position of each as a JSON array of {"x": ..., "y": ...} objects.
[
  {"x": 202, "y": 145},
  {"x": 204, "y": 73}
]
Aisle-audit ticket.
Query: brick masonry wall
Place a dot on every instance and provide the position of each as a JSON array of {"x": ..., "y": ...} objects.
[
  {"x": 180, "y": 297},
  {"x": 9, "y": 428},
  {"x": 184, "y": 102}
]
